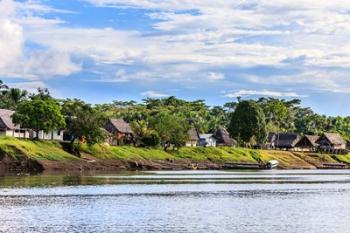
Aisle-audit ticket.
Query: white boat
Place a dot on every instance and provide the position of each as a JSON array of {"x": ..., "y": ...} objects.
[{"x": 272, "y": 164}]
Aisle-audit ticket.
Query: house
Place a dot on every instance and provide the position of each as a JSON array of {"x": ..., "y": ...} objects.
[
  {"x": 207, "y": 140},
  {"x": 331, "y": 141},
  {"x": 271, "y": 140},
  {"x": 120, "y": 130},
  {"x": 286, "y": 140},
  {"x": 193, "y": 138},
  {"x": 8, "y": 128},
  {"x": 307, "y": 143},
  {"x": 223, "y": 138}
]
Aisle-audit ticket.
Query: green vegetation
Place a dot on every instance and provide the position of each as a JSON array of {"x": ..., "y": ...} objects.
[
  {"x": 83, "y": 121},
  {"x": 194, "y": 154},
  {"x": 53, "y": 151},
  {"x": 248, "y": 123},
  {"x": 39, "y": 114},
  {"x": 37, "y": 150}
]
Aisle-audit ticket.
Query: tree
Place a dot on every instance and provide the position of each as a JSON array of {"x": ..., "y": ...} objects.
[
  {"x": 83, "y": 121},
  {"x": 39, "y": 115},
  {"x": 10, "y": 98},
  {"x": 172, "y": 130},
  {"x": 248, "y": 122},
  {"x": 144, "y": 135}
]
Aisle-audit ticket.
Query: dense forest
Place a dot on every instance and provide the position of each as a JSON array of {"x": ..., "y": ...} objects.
[{"x": 168, "y": 120}]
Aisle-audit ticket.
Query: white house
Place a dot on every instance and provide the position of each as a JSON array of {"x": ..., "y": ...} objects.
[
  {"x": 8, "y": 128},
  {"x": 207, "y": 140}
]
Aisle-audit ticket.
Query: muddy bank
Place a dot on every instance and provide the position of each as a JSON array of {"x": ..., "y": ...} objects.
[
  {"x": 93, "y": 164},
  {"x": 22, "y": 164},
  {"x": 88, "y": 163}
]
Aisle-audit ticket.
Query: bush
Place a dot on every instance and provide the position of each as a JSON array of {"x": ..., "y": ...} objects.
[{"x": 151, "y": 139}]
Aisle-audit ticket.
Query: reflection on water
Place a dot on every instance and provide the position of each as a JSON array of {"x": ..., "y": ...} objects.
[{"x": 186, "y": 201}]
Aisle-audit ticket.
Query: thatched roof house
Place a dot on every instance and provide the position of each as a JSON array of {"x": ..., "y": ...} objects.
[
  {"x": 6, "y": 120},
  {"x": 308, "y": 142},
  {"x": 119, "y": 125},
  {"x": 120, "y": 130},
  {"x": 331, "y": 141},
  {"x": 271, "y": 140},
  {"x": 193, "y": 137},
  {"x": 8, "y": 128},
  {"x": 223, "y": 138},
  {"x": 286, "y": 140}
]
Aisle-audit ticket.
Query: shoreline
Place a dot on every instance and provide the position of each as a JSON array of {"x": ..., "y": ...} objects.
[
  {"x": 26, "y": 156},
  {"x": 87, "y": 163}
]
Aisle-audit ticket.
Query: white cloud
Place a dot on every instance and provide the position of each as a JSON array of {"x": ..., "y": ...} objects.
[
  {"x": 192, "y": 46},
  {"x": 31, "y": 86},
  {"x": 154, "y": 94},
  {"x": 11, "y": 35},
  {"x": 245, "y": 93},
  {"x": 213, "y": 77}
]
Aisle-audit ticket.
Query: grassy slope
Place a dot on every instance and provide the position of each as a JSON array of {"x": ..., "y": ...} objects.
[
  {"x": 48, "y": 150},
  {"x": 194, "y": 154},
  {"x": 37, "y": 150}
]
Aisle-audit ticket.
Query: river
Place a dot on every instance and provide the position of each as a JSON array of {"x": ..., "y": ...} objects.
[{"x": 177, "y": 201}]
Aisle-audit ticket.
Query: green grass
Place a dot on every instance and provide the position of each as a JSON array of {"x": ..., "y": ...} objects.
[
  {"x": 37, "y": 150},
  {"x": 50, "y": 150},
  {"x": 191, "y": 153}
]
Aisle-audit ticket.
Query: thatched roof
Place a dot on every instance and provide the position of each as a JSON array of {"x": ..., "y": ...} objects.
[
  {"x": 308, "y": 141},
  {"x": 223, "y": 138},
  {"x": 286, "y": 140},
  {"x": 333, "y": 139},
  {"x": 121, "y": 125},
  {"x": 193, "y": 134},
  {"x": 312, "y": 138},
  {"x": 271, "y": 137},
  {"x": 6, "y": 120}
]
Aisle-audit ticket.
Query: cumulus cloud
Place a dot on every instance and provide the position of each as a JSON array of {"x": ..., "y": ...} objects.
[
  {"x": 192, "y": 41},
  {"x": 247, "y": 93},
  {"x": 17, "y": 19},
  {"x": 154, "y": 94},
  {"x": 11, "y": 35}
]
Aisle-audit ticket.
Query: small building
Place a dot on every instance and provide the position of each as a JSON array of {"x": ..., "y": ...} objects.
[
  {"x": 8, "y": 128},
  {"x": 308, "y": 143},
  {"x": 193, "y": 138},
  {"x": 271, "y": 140},
  {"x": 286, "y": 141},
  {"x": 52, "y": 135},
  {"x": 120, "y": 130},
  {"x": 207, "y": 140},
  {"x": 223, "y": 138},
  {"x": 331, "y": 141}
]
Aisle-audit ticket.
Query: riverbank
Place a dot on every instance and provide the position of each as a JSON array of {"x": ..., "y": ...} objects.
[{"x": 37, "y": 156}]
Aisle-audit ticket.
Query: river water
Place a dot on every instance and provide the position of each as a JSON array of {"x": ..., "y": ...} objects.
[{"x": 182, "y": 201}]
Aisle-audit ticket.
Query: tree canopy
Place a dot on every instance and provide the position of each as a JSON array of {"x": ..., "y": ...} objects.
[
  {"x": 39, "y": 114},
  {"x": 248, "y": 123}
]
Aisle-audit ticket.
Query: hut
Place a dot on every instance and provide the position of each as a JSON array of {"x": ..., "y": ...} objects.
[
  {"x": 8, "y": 128},
  {"x": 331, "y": 141},
  {"x": 286, "y": 140},
  {"x": 120, "y": 130},
  {"x": 223, "y": 138},
  {"x": 193, "y": 137},
  {"x": 307, "y": 143},
  {"x": 207, "y": 140},
  {"x": 271, "y": 140}
]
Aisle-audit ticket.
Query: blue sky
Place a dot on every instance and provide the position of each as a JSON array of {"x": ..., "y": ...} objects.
[{"x": 104, "y": 50}]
